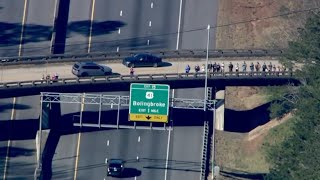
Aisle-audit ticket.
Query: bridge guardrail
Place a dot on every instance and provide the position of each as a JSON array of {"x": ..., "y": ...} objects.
[
  {"x": 54, "y": 58},
  {"x": 148, "y": 77}
]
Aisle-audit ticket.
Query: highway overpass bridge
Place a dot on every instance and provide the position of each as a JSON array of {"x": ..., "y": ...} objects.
[{"x": 122, "y": 82}]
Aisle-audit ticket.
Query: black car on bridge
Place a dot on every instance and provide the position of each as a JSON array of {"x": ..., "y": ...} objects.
[{"x": 147, "y": 60}]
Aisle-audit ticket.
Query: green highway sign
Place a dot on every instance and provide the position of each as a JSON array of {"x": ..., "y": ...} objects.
[{"x": 149, "y": 102}]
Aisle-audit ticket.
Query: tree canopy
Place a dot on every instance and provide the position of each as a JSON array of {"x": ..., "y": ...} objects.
[{"x": 298, "y": 156}]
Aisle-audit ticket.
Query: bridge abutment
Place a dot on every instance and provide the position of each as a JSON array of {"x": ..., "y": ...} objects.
[{"x": 220, "y": 109}]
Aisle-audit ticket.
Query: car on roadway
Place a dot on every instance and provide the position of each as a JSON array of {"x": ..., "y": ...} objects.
[
  {"x": 146, "y": 60},
  {"x": 115, "y": 167},
  {"x": 82, "y": 69}
]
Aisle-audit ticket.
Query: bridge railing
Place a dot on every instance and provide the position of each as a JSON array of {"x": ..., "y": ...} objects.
[
  {"x": 146, "y": 77},
  {"x": 118, "y": 55}
]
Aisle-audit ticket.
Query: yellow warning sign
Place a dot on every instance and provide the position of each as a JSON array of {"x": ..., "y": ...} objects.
[{"x": 148, "y": 118}]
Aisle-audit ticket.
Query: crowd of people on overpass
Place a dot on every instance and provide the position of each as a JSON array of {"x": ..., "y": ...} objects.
[{"x": 244, "y": 67}]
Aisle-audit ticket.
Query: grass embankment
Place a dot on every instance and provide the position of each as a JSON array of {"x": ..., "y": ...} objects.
[{"x": 247, "y": 152}]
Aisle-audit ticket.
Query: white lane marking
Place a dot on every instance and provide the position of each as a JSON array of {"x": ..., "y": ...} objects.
[
  {"x": 168, "y": 144},
  {"x": 151, "y": 5},
  {"x": 179, "y": 24},
  {"x": 108, "y": 143},
  {"x": 79, "y": 140},
  {"x": 22, "y": 26},
  {"x": 118, "y": 49},
  {"x": 139, "y": 139},
  {"x": 119, "y": 31},
  {"x": 77, "y": 157},
  {"x": 137, "y": 158},
  {"x": 167, "y": 158},
  {"x": 121, "y": 13},
  {"x": 148, "y": 42},
  {"x": 9, "y": 142},
  {"x": 91, "y": 24},
  {"x": 149, "y": 23},
  {"x": 135, "y": 178},
  {"x": 54, "y": 19}
]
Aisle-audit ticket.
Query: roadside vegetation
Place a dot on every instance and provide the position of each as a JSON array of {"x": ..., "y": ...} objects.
[
  {"x": 296, "y": 156},
  {"x": 288, "y": 146}
]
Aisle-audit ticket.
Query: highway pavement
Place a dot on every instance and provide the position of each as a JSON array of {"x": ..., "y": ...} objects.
[
  {"x": 27, "y": 107},
  {"x": 18, "y": 154},
  {"x": 186, "y": 153},
  {"x": 10, "y": 24},
  {"x": 3, "y": 157},
  {"x": 100, "y": 25},
  {"x": 22, "y": 159},
  {"x": 38, "y": 25},
  {"x": 197, "y": 15},
  {"x": 6, "y": 105},
  {"x": 144, "y": 151},
  {"x": 63, "y": 162},
  {"x": 78, "y": 26}
]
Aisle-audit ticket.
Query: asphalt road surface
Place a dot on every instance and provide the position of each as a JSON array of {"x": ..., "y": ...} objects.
[
  {"x": 196, "y": 15},
  {"x": 19, "y": 153},
  {"x": 101, "y": 25},
  {"x": 38, "y": 26},
  {"x": 87, "y": 151},
  {"x": 78, "y": 26},
  {"x": 10, "y": 24}
]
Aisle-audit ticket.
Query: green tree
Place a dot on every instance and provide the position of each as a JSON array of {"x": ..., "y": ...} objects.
[{"x": 298, "y": 156}]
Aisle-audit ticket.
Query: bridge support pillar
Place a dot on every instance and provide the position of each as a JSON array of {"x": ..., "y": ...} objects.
[{"x": 219, "y": 124}]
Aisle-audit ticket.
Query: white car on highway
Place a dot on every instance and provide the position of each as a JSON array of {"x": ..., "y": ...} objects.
[{"x": 82, "y": 69}]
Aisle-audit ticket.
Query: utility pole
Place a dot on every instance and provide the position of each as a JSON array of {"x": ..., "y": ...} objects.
[{"x": 206, "y": 68}]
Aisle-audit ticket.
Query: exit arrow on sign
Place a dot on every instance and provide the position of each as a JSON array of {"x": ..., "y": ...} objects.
[{"x": 148, "y": 117}]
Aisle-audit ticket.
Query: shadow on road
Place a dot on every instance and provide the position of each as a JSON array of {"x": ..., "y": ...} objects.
[
  {"x": 177, "y": 165},
  {"x": 130, "y": 173},
  {"x": 10, "y": 34},
  {"x": 9, "y": 106},
  {"x": 18, "y": 129},
  {"x": 15, "y": 152}
]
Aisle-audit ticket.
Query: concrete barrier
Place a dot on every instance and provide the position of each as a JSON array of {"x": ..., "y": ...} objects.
[{"x": 99, "y": 56}]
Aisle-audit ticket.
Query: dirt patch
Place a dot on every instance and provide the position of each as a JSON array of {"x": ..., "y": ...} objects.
[
  {"x": 244, "y": 98},
  {"x": 258, "y": 23}
]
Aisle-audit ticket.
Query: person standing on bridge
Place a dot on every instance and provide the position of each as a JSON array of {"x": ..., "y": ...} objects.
[
  {"x": 203, "y": 68},
  {"x": 218, "y": 67},
  {"x": 244, "y": 66},
  {"x": 264, "y": 67},
  {"x": 210, "y": 66},
  {"x": 270, "y": 67},
  {"x": 222, "y": 67},
  {"x": 251, "y": 67},
  {"x": 274, "y": 68},
  {"x": 258, "y": 67},
  {"x": 230, "y": 67},
  {"x": 197, "y": 68},
  {"x": 131, "y": 71},
  {"x": 187, "y": 69},
  {"x": 214, "y": 67}
]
